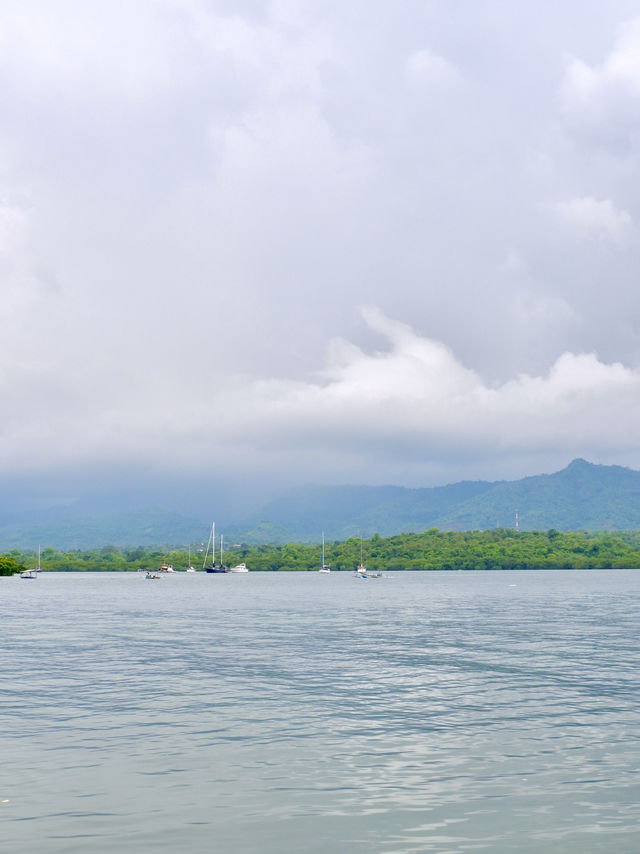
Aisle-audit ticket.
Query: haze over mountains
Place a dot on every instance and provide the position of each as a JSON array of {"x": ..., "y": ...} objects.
[{"x": 581, "y": 496}]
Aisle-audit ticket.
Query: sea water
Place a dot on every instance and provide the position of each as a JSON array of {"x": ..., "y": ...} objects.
[{"x": 299, "y": 712}]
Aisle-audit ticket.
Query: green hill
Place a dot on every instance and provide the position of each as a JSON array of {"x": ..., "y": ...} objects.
[
  {"x": 139, "y": 528},
  {"x": 582, "y": 496},
  {"x": 352, "y": 511}
]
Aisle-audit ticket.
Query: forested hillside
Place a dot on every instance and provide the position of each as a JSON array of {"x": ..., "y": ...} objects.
[
  {"x": 582, "y": 496},
  {"x": 431, "y": 550}
]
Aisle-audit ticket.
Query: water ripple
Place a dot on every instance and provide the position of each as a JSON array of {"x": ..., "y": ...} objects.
[{"x": 429, "y": 712}]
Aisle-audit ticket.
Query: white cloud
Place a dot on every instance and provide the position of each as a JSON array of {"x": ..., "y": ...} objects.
[
  {"x": 424, "y": 68},
  {"x": 367, "y": 416},
  {"x": 26, "y": 290},
  {"x": 12, "y": 228},
  {"x": 603, "y": 100},
  {"x": 513, "y": 265},
  {"x": 193, "y": 192},
  {"x": 588, "y": 218},
  {"x": 417, "y": 391}
]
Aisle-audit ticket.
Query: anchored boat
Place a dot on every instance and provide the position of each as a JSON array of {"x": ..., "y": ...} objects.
[
  {"x": 31, "y": 574},
  {"x": 325, "y": 569},
  {"x": 212, "y": 545},
  {"x": 189, "y": 567},
  {"x": 361, "y": 570}
]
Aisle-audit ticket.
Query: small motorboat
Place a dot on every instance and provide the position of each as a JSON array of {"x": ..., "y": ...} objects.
[
  {"x": 166, "y": 567},
  {"x": 241, "y": 567}
]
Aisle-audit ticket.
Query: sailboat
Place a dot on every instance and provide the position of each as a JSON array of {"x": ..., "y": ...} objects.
[
  {"x": 189, "y": 567},
  {"x": 212, "y": 544},
  {"x": 362, "y": 571},
  {"x": 29, "y": 574},
  {"x": 325, "y": 569}
]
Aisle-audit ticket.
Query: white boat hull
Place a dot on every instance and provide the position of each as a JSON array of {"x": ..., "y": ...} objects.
[{"x": 242, "y": 567}]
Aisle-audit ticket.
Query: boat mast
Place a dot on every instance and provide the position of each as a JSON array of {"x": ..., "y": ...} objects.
[
  {"x": 212, "y": 539},
  {"x": 221, "y": 548},
  {"x": 322, "y": 549}
]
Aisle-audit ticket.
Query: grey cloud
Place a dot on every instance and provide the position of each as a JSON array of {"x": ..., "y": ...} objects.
[
  {"x": 213, "y": 189},
  {"x": 600, "y": 100}
]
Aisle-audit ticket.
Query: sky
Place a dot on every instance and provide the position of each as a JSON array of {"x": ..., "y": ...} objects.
[{"x": 253, "y": 244}]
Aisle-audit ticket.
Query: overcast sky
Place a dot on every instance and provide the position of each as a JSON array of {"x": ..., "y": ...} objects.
[{"x": 346, "y": 242}]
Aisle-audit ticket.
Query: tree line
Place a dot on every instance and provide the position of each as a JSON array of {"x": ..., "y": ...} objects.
[{"x": 499, "y": 548}]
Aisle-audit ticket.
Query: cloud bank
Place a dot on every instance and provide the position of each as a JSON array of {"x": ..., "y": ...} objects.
[
  {"x": 405, "y": 411},
  {"x": 195, "y": 198}
]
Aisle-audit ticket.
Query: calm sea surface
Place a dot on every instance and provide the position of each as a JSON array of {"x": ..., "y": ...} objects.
[{"x": 422, "y": 712}]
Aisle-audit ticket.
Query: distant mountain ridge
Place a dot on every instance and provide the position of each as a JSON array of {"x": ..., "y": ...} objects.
[
  {"x": 350, "y": 511},
  {"x": 583, "y": 496},
  {"x": 138, "y": 528}
]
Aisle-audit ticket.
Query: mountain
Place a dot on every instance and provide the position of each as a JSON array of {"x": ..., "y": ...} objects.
[
  {"x": 582, "y": 496},
  {"x": 301, "y": 514},
  {"x": 139, "y": 528}
]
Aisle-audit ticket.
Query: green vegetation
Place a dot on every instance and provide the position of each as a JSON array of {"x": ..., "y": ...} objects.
[
  {"x": 431, "y": 550},
  {"x": 9, "y": 565},
  {"x": 581, "y": 497}
]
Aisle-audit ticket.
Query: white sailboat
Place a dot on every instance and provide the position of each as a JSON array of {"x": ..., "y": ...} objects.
[
  {"x": 361, "y": 570},
  {"x": 189, "y": 567},
  {"x": 325, "y": 569},
  {"x": 30, "y": 574}
]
